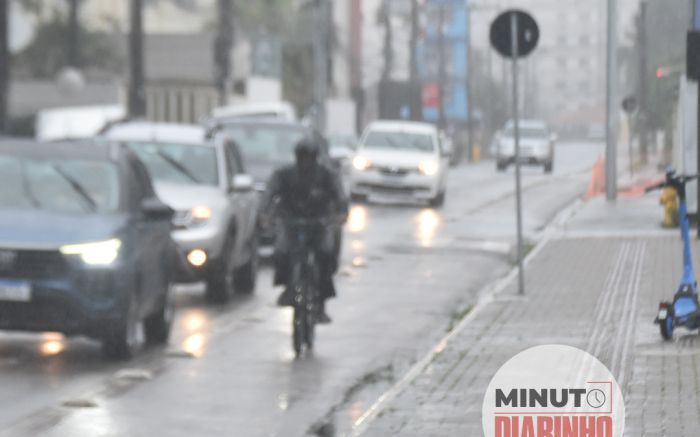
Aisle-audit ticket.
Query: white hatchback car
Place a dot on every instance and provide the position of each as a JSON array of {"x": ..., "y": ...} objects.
[{"x": 400, "y": 160}]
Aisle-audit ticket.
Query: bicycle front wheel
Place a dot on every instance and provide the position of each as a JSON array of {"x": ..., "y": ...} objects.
[{"x": 299, "y": 325}]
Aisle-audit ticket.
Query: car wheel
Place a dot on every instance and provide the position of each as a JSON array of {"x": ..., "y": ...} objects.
[
  {"x": 500, "y": 166},
  {"x": 157, "y": 326},
  {"x": 221, "y": 276},
  {"x": 245, "y": 276},
  {"x": 120, "y": 341},
  {"x": 438, "y": 200}
]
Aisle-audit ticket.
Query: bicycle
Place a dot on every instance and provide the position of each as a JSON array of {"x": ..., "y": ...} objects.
[{"x": 304, "y": 279}]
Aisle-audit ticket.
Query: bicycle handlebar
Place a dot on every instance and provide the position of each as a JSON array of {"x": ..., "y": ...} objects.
[{"x": 673, "y": 181}]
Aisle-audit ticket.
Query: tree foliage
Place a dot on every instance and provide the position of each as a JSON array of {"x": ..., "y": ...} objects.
[
  {"x": 47, "y": 54},
  {"x": 272, "y": 16}
]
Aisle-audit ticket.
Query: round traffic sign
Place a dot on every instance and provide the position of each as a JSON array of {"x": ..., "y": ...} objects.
[{"x": 528, "y": 33}]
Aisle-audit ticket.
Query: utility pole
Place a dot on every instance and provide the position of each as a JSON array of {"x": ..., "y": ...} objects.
[
  {"x": 416, "y": 110},
  {"x": 388, "y": 49},
  {"x": 320, "y": 53},
  {"x": 223, "y": 45},
  {"x": 470, "y": 76},
  {"x": 137, "y": 94},
  {"x": 611, "y": 110},
  {"x": 643, "y": 83},
  {"x": 73, "y": 37},
  {"x": 356, "y": 61},
  {"x": 442, "y": 66},
  {"x": 4, "y": 64}
]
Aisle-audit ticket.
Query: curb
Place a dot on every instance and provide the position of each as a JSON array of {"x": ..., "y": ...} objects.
[{"x": 485, "y": 296}]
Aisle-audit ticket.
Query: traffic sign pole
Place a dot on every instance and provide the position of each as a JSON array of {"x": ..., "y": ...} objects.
[
  {"x": 516, "y": 134},
  {"x": 513, "y": 34}
]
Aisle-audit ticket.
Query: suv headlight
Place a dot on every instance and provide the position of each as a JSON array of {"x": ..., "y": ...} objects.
[
  {"x": 95, "y": 253},
  {"x": 361, "y": 163},
  {"x": 428, "y": 168},
  {"x": 192, "y": 218}
]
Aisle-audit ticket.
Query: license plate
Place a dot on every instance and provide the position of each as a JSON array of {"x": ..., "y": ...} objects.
[
  {"x": 663, "y": 314},
  {"x": 392, "y": 181},
  {"x": 15, "y": 290}
]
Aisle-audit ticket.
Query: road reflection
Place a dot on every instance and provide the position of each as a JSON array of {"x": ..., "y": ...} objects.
[
  {"x": 195, "y": 323},
  {"x": 428, "y": 223},
  {"x": 52, "y": 343},
  {"x": 357, "y": 220}
]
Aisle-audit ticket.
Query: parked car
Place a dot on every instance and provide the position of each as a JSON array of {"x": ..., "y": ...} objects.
[
  {"x": 85, "y": 246},
  {"x": 400, "y": 160},
  {"x": 205, "y": 182},
  {"x": 536, "y": 145}
]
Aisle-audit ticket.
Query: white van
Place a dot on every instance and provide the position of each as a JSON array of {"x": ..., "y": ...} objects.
[{"x": 76, "y": 122}]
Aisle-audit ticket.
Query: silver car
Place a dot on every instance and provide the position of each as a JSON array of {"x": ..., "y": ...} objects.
[
  {"x": 204, "y": 181},
  {"x": 536, "y": 145}
]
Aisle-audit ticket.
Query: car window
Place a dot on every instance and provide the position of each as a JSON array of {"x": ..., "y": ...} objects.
[
  {"x": 62, "y": 185},
  {"x": 179, "y": 163},
  {"x": 263, "y": 143},
  {"x": 264, "y": 148},
  {"x": 399, "y": 141}
]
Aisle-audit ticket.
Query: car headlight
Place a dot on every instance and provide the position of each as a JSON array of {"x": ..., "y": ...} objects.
[
  {"x": 95, "y": 253},
  {"x": 200, "y": 213},
  {"x": 361, "y": 163},
  {"x": 428, "y": 168}
]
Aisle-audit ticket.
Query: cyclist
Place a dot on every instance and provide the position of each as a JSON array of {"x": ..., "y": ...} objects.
[{"x": 306, "y": 190}]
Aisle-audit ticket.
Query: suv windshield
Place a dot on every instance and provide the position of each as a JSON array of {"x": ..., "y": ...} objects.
[
  {"x": 179, "y": 163},
  {"x": 399, "y": 141},
  {"x": 65, "y": 185},
  {"x": 265, "y": 147}
]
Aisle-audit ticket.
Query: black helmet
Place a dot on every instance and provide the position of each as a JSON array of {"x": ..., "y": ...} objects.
[{"x": 306, "y": 146}]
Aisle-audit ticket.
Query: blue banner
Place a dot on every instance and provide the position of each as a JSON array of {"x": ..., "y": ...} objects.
[{"x": 448, "y": 17}]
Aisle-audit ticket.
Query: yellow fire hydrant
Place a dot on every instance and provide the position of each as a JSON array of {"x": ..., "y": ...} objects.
[{"x": 669, "y": 200}]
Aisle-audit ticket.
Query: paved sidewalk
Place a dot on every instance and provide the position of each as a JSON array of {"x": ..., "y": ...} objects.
[{"x": 588, "y": 288}]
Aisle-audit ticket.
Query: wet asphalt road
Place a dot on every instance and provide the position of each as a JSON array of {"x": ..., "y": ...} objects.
[{"x": 408, "y": 272}]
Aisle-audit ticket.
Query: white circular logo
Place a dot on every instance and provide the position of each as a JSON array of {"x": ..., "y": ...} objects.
[{"x": 553, "y": 391}]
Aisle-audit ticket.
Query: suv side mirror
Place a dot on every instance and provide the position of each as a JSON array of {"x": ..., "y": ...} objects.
[
  {"x": 242, "y": 183},
  {"x": 154, "y": 209}
]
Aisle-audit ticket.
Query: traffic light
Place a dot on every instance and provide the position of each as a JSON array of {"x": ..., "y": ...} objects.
[{"x": 660, "y": 73}]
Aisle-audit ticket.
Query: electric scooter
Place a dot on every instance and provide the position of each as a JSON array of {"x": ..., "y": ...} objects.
[{"x": 684, "y": 310}]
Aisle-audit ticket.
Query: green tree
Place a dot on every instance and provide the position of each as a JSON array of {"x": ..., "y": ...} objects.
[{"x": 47, "y": 54}]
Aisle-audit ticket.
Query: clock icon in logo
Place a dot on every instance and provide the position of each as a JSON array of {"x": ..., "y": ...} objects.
[{"x": 596, "y": 398}]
